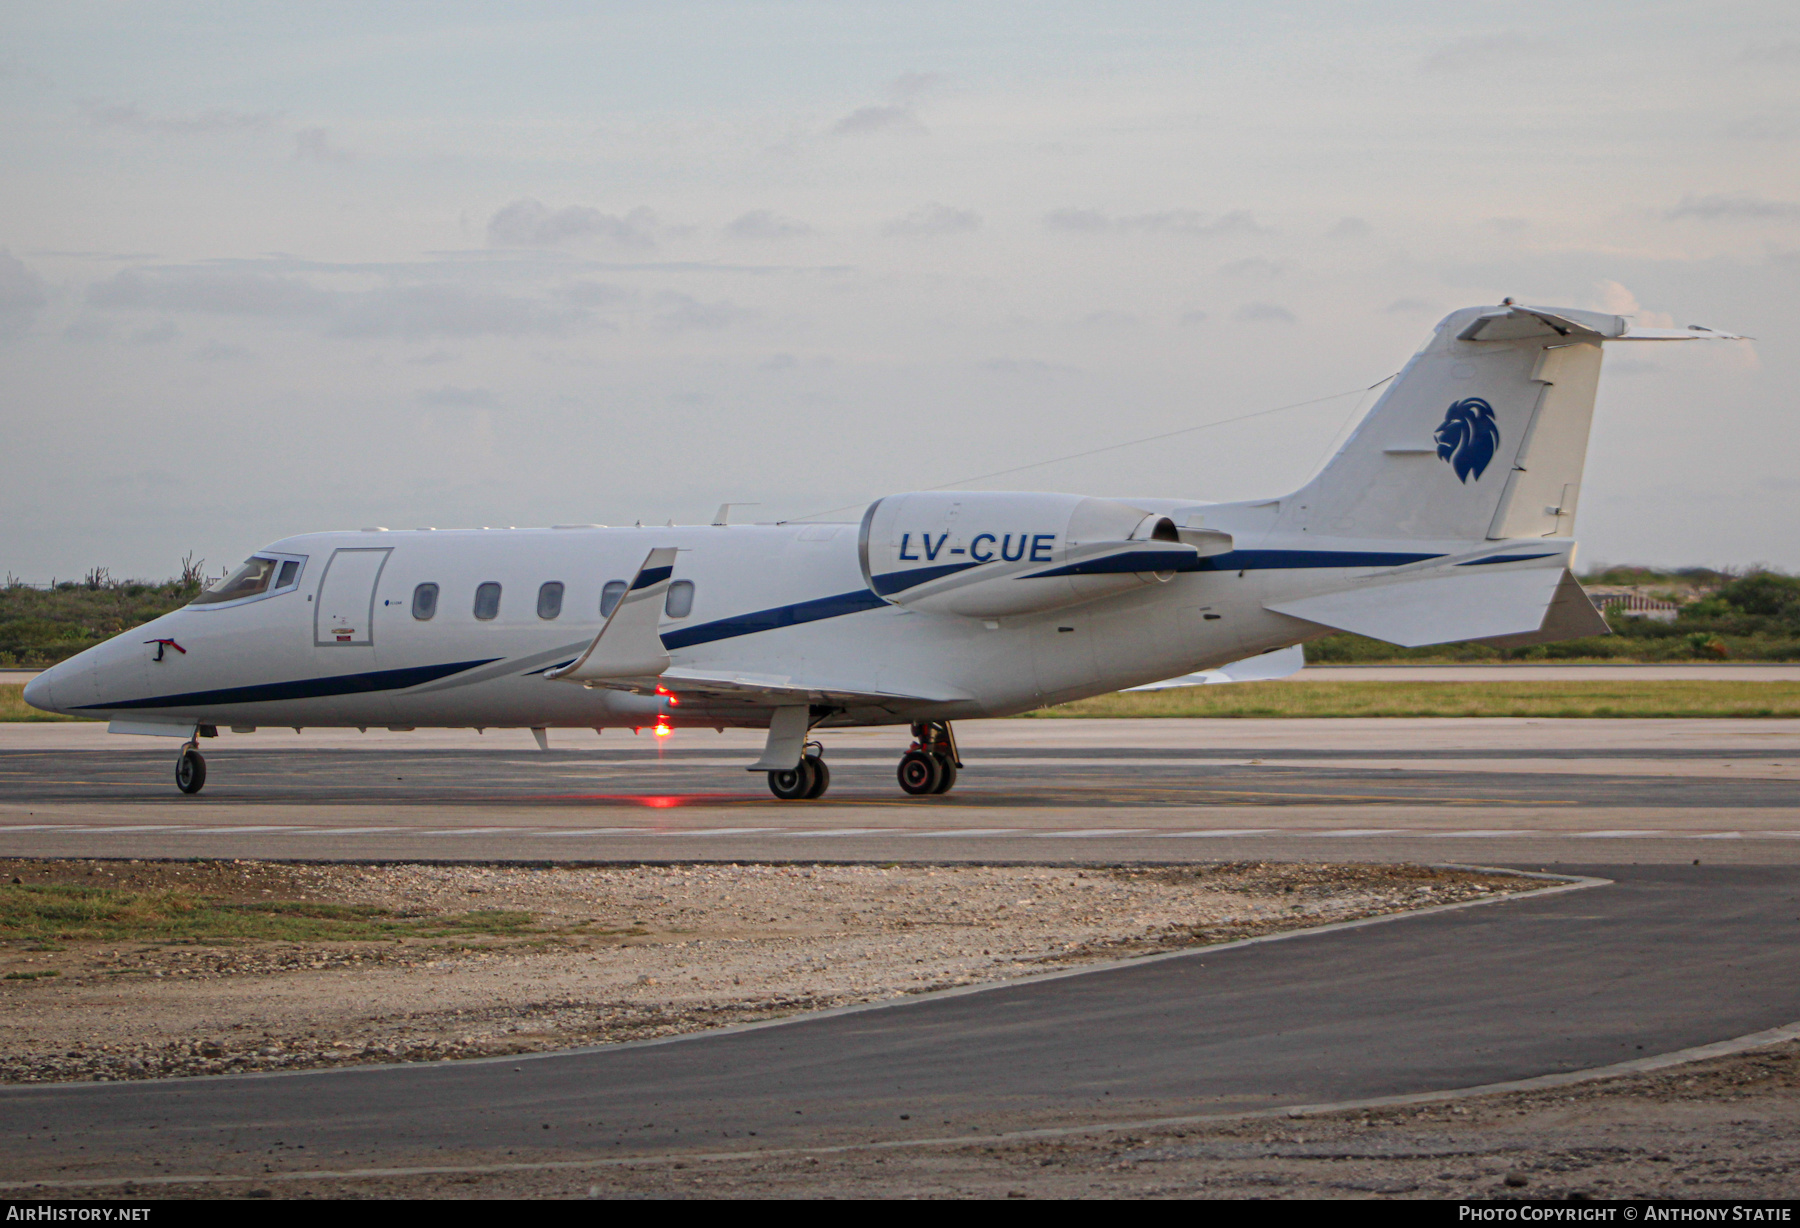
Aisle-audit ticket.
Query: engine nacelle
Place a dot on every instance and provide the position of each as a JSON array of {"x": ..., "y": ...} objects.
[{"x": 993, "y": 554}]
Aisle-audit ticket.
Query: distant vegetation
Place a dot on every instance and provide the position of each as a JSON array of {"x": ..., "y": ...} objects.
[
  {"x": 1626, "y": 697},
  {"x": 1750, "y": 616},
  {"x": 41, "y": 626},
  {"x": 1725, "y": 616}
]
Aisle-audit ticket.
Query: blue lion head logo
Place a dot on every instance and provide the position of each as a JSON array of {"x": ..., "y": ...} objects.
[{"x": 1468, "y": 437}]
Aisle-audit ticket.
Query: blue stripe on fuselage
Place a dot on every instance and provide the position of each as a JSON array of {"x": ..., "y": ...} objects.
[
  {"x": 1504, "y": 558},
  {"x": 304, "y": 688},
  {"x": 1276, "y": 560},
  {"x": 900, "y": 581},
  {"x": 768, "y": 620}
]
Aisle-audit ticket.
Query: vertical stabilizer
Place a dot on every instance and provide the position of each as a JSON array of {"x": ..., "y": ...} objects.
[{"x": 1483, "y": 435}]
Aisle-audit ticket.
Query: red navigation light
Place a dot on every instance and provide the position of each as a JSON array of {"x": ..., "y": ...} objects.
[{"x": 663, "y": 731}]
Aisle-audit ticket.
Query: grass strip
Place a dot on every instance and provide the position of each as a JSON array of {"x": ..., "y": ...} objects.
[
  {"x": 1676, "y": 697},
  {"x": 53, "y": 912},
  {"x": 14, "y": 708}
]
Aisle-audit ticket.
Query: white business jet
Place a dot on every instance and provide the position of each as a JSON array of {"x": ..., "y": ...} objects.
[{"x": 1447, "y": 515}]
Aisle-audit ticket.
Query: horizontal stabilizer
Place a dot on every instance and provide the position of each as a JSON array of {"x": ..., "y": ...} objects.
[
  {"x": 1264, "y": 667},
  {"x": 1572, "y": 616},
  {"x": 628, "y": 645},
  {"x": 1467, "y": 604}
]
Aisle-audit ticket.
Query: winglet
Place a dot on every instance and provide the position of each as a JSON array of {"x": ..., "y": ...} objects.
[{"x": 628, "y": 645}]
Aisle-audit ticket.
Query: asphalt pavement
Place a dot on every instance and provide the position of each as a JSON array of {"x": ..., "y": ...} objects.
[{"x": 1658, "y": 959}]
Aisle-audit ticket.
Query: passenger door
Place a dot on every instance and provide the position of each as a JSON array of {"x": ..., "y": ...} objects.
[{"x": 344, "y": 615}]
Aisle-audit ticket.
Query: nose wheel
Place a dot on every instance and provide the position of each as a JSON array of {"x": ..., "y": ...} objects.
[
  {"x": 190, "y": 769},
  {"x": 806, "y": 780},
  {"x": 930, "y": 765}
]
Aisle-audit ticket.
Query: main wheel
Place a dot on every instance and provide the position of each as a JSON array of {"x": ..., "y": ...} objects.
[
  {"x": 190, "y": 771},
  {"x": 947, "y": 773},
  {"x": 919, "y": 772},
  {"x": 795, "y": 783},
  {"x": 821, "y": 777}
]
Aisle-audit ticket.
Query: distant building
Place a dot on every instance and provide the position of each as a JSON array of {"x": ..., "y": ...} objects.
[{"x": 1628, "y": 603}]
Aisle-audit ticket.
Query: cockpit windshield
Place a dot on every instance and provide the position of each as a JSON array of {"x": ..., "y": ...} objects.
[{"x": 250, "y": 580}]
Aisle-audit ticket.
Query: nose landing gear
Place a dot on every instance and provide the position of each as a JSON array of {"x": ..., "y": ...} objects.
[
  {"x": 931, "y": 763},
  {"x": 190, "y": 769}
]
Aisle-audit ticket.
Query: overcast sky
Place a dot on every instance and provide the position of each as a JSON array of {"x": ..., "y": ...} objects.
[{"x": 271, "y": 269}]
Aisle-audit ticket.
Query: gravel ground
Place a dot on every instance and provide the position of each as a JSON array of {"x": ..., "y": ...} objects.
[{"x": 620, "y": 952}]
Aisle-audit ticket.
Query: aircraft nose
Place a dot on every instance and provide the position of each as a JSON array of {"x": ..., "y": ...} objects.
[{"x": 40, "y": 692}]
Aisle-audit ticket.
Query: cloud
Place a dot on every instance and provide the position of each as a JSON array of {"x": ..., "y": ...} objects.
[
  {"x": 1253, "y": 266},
  {"x": 1110, "y": 319},
  {"x": 598, "y": 294},
  {"x": 1615, "y": 298},
  {"x": 910, "y": 85},
  {"x": 1263, "y": 313},
  {"x": 217, "y": 291},
  {"x": 531, "y": 223},
  {"x": 1764, "y": 128},
  {"x": 21, "y": 295},
  {"x": 1026, "y": 366},
  {"x": 220, "y": 351},
  {"x": 134, "y": 119},
  {"x": 155, "y": 334},
  {"x": 934, "y": 219},
  {"x": 1479, "y": 51},
  {"x": 893, "y": 117},
  {"x": 86, "y": 330},
  {"x": 690, "y": 314},
  {"x": 763, "y": 224},
  {"x": 1409, "y": 306},
  {"x": 778, "y": 362},
  {"x": 1786, "y": 51},
  {"x": 449, "y": 397},
  {"x": 1738, "y": 207},
  {"x": 1195, "y": 316},
  {"x": 1172, "y": 221},
  {"x": 314, "y": 145},
  {"x": 1349, "y": 228},
  {"x": 1507, "y": 225},
  {"x": 416, "y": 312}
]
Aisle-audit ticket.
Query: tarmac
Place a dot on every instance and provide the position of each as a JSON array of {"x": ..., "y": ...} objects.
[
  {"x": 1510, "y": 791},
  {"x": 1681, "y": 840}
]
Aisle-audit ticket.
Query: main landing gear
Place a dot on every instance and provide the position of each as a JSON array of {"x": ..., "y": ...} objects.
[
  {"x": 805, "y": 781},
  {"x": 190, "y": 769},
  {"x": 930, "y": 765}
]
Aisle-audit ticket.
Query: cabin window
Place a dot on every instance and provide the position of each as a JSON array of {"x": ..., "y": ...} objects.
[
  {"x": 609, "y": 596},
  {"x": 550, "y": 599},
  {"x": 290, "y": 572},
  {"x": 425, "y": 602},
  {"x": 487, "y": 601},
  {"x": 680, "y": 601},
  {"x": 250, "y": 580}
]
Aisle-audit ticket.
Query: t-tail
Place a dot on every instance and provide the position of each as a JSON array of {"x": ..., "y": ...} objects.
[{"x": 1469, "y": 469}]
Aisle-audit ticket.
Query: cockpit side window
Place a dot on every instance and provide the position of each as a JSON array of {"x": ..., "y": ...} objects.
[
  {"x": 290, "y": 572},
  {"x": 250, "y": 580}
]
